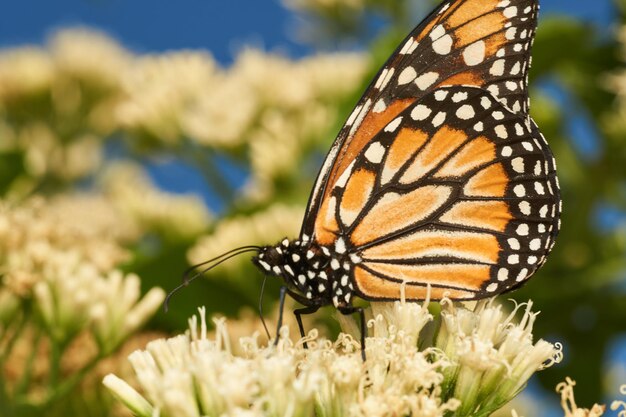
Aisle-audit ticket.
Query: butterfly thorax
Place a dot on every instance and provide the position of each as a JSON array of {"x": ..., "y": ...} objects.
[{"x": 319, "y": 273}]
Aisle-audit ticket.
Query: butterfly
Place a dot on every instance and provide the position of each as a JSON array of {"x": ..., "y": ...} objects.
[{"x": 439, "y": 184}]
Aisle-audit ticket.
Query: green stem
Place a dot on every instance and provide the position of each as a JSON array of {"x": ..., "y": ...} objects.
[
  {"x": 70, "y": 383},
  {"x": 56, "y": 351},
  {"x": 55, "y": 393},
  {"x": 22, "y": 385},
  {"x": 14, "y": 337}
]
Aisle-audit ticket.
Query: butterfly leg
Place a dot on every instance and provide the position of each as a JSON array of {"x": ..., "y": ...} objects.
[
  {"x": 299, "y": 313},
  {"x": 281, "y": 306},
  {"x": 346, "y": 311}
]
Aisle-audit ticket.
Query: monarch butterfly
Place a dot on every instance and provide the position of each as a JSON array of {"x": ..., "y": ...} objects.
[{"x": 439, "y": 181}]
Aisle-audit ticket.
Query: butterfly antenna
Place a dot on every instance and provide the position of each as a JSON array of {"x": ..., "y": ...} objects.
[
  {"x": 213, "y": 262},
  {"x": 261, "y": 308}
]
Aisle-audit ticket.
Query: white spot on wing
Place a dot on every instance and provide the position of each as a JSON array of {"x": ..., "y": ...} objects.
[
  {"x": 443, "y": 45},
  {"x": 510, "y": 12},
  {"x": 465, "y": 112},
  {"x": 460, "y": 96},
  {"x": 380, "y": 106},
  {"x": 384, "y": 78},
  {"x": 393, "y": 125},
  {"x": 524, "y": 208},
  {"x": 440, "y": 95},
  {"x": 497, "y": 69},
  {"x": 518, "y": 165},
  {"x": 439, "y": 119},
  {"x": 409, "y": 46},
  {"x": 513, "y": 243},
  {"x": 407, "y": 75},
  {"x": 420, "y": 112},
  {"x": 375, "y": 152},
  {"x": 503, "y": 274},
  {"x": 535, "y": 244},
  {"x": 501, "y": 132},
  {"x": 426, "y": 80},
  {"x": 340, "y": 246},
  {"x": 343, "y": 179},
  {"x": 474, "y": 54},
  {"x": 522, "y": 229},
  {"x": 360, "y": 116}
]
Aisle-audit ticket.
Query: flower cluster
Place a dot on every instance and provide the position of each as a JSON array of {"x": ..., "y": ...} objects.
[
  {"x": 63, "y": 254},
  {"x": 407, "y": 372},
  {"x": 58, "y": 105},
  {"x": 131, "y": 192},
  {"x": 61, "y": 285},
  {"x": 496, "y": 353}
]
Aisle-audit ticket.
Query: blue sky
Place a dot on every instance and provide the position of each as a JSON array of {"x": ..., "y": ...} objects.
[{"x": 221, "y": 26}]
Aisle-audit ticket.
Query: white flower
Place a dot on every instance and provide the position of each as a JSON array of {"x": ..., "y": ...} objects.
[
  {"x": 176, "y": 216},
  {"x": 566, "y": 389},
  {"x": 25, "y": 71},
  {"x": 159, "y": 89},
  {"x": 197, "y": 375},
  {"x": 91, "y": 56},
  {"x": 494, "y": 354},
  {"x": 117, "y": 309}
]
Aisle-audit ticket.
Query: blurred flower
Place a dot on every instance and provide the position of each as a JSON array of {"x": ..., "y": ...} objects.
[
  {"x": 77, "y": 297},
  {"x": 44, "y": 153},
  {"x": 90, "y": 56},
  {"x": 125, "y": 393},
  {"x": 61, "y": 253},
  {"x": 263, "y": 227},
  {"x": 38, "y": 236},
  {"x": 221, "y": 114},
  {"x": 566, "y": 389},
  {"x": 58, "y": 106},
  {"x": 193, "y": 374},
  {"x": 159, "y": 89},
  {"x": 117, "y": 311},
  {"x": 175, "y": 216},
  {"x": 617, "y": 404},
  {"x": 24, "y": 71},
  {"x": 299, "y": 106}
]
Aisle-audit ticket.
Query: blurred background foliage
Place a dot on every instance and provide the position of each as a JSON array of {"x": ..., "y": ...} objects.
[{"x": 97, "y": 144}]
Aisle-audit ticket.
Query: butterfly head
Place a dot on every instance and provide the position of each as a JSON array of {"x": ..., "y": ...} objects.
[{"x": 301, "y": 265}]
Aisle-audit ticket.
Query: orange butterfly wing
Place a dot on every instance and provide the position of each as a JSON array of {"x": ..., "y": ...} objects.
[
  {"x": 484, "y": 43},
  {"x": 439, "y": 177}
]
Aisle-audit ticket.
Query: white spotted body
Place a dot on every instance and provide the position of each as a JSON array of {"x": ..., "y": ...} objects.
[{"x": 322, "y": 276}]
